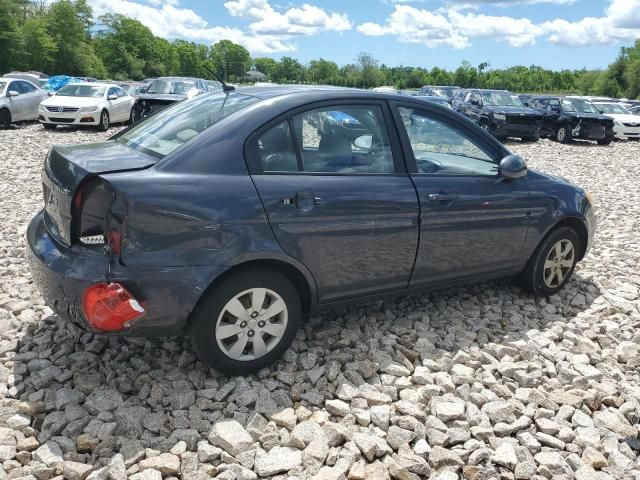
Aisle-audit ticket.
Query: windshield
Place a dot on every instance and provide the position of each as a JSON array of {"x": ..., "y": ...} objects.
[
  {"x": 170, "y": 128},
  {"x": 613, "y": 108},
  {"x": 444, "y": 92},
  {"x": 501, "y": 99},
  {"x": 582, "y": 106},
  {"x": 172, "y": 87},
  {"x": 81, "y": 91}
]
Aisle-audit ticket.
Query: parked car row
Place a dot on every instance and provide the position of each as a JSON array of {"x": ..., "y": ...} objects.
[
  {"x": 85, "y": 101},
  {"x": 529, "y": 117}
]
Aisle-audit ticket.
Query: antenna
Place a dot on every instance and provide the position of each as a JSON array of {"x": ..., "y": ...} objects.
[{"x": 225, "y": 87}]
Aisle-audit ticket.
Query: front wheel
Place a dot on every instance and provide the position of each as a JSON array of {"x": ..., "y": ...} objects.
[
  {"x": 605, "y": 141},
  {"x": 5, "y": 117},
  {"x": 247, "y": 322},
  {"x": 103, "y": 126},
  {"x": 552, "y": 264},
  {"x": 563, "y": 134}
]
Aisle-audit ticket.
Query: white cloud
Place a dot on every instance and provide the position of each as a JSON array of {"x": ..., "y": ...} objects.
[
  {"x": 457, "y": 26},
  {"x": 305, "y": 20},
  {"x": 271, "y": 31},
  {"x": 452, "y": 28},
  {"x": 620, "y": 23}
]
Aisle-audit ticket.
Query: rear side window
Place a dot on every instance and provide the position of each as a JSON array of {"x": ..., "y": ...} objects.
[{"x": 331, "y": 140}]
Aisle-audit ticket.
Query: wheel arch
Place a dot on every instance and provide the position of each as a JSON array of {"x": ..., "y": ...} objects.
[
  {"x": 301, "y": 281},
  {"x": 7, "y": 111},
  {"x": 577, "y": 225}
]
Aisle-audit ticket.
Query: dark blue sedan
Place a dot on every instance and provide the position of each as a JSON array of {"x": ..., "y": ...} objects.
[{"x": 231, "y": 215}]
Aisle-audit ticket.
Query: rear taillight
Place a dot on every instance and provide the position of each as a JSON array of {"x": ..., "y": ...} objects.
[
  {"x": 110, "y": 307},
  {"x": 91, "y": 205}
]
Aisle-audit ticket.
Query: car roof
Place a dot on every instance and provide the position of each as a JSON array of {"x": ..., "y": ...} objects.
[{"x": 191, "y": 79}]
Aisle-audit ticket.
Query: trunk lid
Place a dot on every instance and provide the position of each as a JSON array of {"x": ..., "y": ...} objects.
[{"x": 68, "y": 167}]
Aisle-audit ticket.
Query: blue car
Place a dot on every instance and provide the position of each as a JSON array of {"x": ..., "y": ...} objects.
[{"x": 232, "y": 215}]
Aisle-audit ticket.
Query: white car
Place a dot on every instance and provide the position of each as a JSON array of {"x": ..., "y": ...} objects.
[
  {"x": 626, "y": 125},
  {"x": 19, "y": 100},
  {"x": 87, "y": 103}
]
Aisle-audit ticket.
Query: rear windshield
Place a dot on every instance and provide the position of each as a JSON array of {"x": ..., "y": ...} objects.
[
  {"x": 172, "y": 127},
  {"x": 502, "y": 99},
  {"x": 81, "y": 91},
  {"x": 612, "y": 108},
  {"x": 172, "y": 87},
  {"x": 582, "y": 106}
]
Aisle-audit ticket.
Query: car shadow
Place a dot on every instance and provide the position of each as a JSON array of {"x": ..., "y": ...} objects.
[{"x": 113, "y": 394}]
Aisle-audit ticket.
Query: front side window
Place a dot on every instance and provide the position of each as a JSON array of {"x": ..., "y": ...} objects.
[
  {"x": 441, "y": 149},
  {"x": 173, "y": 126},
  {"x": 332, "y": 140}
]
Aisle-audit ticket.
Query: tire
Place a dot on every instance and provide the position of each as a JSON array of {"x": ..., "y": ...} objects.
[
  {"x": 103, "y": 126},
  {"x": 5, "y": 117},
  {"x": 484, "y": 125},
  {"x": 563, "y": 134},
  {"x": 533, "y": 138},
  {"x": 49, "y": 126},
  {"x": 132, "y": 116},
  {"x": 535, "y": 277},
  {"x": 236, "y": 292},
  {"x": 605, "y": 141}
]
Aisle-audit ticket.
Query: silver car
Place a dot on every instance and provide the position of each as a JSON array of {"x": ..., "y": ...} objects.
[{"x": 19, "y": 100}]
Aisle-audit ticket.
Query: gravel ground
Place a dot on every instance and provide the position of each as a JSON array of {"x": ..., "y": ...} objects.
[{"x": 477, "y": 382}]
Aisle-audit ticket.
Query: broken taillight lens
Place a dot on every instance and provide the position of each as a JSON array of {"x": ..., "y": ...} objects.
[{"x": 110, "y": 307}]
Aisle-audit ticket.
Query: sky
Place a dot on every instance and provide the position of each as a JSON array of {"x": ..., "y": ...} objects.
[{"x": 554, "y": 34}]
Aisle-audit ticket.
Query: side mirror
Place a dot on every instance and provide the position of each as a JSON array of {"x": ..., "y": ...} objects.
[
  {"x": 143, "y": 90},
  {"x": 12, "y": 93},
  {"x": 112, "y": 97},
  {"x": 51, "y": 94},
  {"x": 513, "y": 166}
]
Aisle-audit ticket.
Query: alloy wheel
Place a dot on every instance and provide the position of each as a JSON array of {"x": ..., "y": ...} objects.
[
  {"x": 251, "y": 324},
  {"x": 559, "y": 262},
  {"x": 562, "y": 133}
]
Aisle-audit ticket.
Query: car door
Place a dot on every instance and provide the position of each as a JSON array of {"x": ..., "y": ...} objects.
[
  {"x": 472, "y": 221},
  {"x": 124, "y": 104},
  {"x": 19, "y": 104},
  {"x": 113, "y": 105},
  {"x": 33, "y": 96},
  {"x": 472, "y": 106},
  {"x": 552, "y": 111},
  {"x": 339, "y": 200}
]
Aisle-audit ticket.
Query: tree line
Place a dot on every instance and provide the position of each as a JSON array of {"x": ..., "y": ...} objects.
[{"x": 62, "y": 37}]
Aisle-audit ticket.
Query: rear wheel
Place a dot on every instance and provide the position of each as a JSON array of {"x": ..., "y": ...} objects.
[
  {"x": 103, "y": 126},
  {"x": 532, "y": 138},
  {"x": 552, "y": 264},
  {"x": 563, "y": 134},
  {"x": 5, "y": 117},
  {"x": 247, "y": 322},
  {"x": 605, "y": 141},
  {"x": 484, "y": 125}
]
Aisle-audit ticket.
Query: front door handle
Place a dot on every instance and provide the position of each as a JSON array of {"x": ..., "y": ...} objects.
[{"x": 441, "y": 197}]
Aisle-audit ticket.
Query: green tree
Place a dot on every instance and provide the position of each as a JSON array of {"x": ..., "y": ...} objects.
[
  {"x": 265, "y": 65},
  {"x": 323, "y": 71},
  {"x": 38, "y": 47},
  {"x": 230, "y": 59}
]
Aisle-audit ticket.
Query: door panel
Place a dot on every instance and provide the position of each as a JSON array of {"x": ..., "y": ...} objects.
[
  {"x": 334, "y": 201},
  {"x": 472, "y": 221},
  {"x": 481, "y": 230},
  {"x": 356, "y": 234}
]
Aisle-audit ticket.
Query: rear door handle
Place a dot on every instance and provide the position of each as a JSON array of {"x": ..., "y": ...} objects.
[{"x": 441, "y": 197}]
